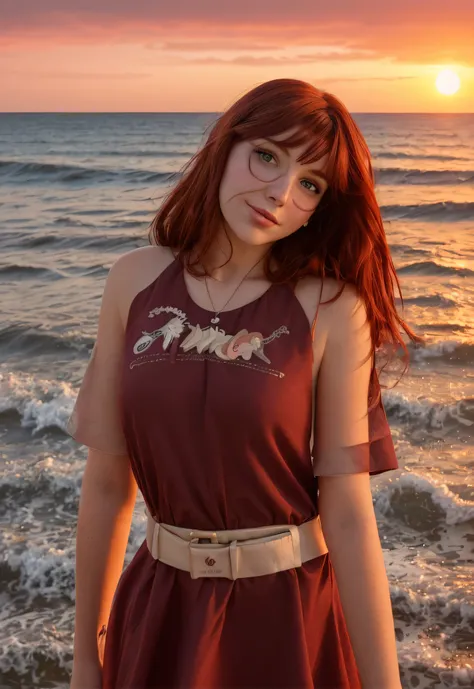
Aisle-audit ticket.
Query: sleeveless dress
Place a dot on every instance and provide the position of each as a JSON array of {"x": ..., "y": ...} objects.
[{"x": 218, "y": 437}]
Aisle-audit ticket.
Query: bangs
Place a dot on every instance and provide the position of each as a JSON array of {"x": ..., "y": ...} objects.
[
  {"x": 309, "y": 125},
  {"x": 318, "y": 144}
]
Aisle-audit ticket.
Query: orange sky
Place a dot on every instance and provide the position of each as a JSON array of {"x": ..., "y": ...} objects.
[{"x": 200, "y": 55}]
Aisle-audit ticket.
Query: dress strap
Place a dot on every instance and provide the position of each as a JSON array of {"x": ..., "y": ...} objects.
[{"x": 313, "y": 325}]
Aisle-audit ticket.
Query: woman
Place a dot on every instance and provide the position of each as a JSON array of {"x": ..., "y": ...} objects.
[{"x": 262, "y": 565}]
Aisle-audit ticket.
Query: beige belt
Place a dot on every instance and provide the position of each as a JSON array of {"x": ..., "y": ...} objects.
[{"x": 235, "y": 553}]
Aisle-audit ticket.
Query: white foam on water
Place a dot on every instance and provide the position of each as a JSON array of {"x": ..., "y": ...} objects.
[
  {"x": 430, "y": 610},
  {"x": 435, "y": 349},
  {"x": 41, "y": 403},
  {"x": 45, "y": 562},
  {"x": 430, "y": 413},
  {"x": 456, "y": 509},
  {"x": 33, "y": 642}
]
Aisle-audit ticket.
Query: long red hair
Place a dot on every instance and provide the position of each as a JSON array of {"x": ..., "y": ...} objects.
[{"x": 345, "y": 237}]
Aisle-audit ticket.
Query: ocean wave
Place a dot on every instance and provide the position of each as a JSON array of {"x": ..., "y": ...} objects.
[
  {"x": 429, "y": 300},
  {"x": 13, "y": 271},
  {"x": 443, "y": 211},
  {"x": 37, "y": 651},
  {"x": 435, "y": 177},
  {"x": 35, "y": 566},
  {"x": 47, "y": 481},
  {"x": 31, "y": 340},
  {"x": 453, "y": 352},
  {"x": 71, "y": 222},
  {"x": 105, "y": 238},
  {"x": 33, "y": 241},
  {"x": 419, "y": 156},
  {"x": 422, "y": 502},
  {"x": 433, "y": 268},
  {"x": 428, "y": 414},
  {"x": 12, "y": 170},
  {"x": 147, "y": 154}
]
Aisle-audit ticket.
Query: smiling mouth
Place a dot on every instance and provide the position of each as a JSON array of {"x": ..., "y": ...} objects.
[{"x": 266, "y": 214}]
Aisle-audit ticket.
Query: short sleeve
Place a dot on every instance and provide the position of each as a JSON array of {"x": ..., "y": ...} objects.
[
  {"x": 351, "y": 430},
  {"x": 96, "y": 419}
]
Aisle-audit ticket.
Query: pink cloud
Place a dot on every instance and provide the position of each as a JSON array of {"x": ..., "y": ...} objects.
[
  {"x": 221, "y": 44},
  {"x": 405, "y": 30},
  {"x": 72, "y": 74},
  {"x": 333, "y": 80},
  {"x": 279, "y": 60},
  {"x": 22, "y": 12}
]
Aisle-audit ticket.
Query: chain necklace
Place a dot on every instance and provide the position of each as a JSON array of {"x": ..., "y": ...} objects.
[{"x": 216, "y": 318}]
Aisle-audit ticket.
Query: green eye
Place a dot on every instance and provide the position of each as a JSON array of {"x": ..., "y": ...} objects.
[
  {"x": 262, "y": 153},
  {"x": 317, "y": 190}
]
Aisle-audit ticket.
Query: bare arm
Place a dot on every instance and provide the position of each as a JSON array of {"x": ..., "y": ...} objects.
[
  {"x": 341, "y": 462},
  {"x": 353, "y": 541},
  {"x": 105, "y": 514},
  {"x": 109, "y": 488}
]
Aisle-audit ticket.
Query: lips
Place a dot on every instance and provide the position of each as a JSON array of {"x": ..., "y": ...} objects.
[{"x": 266, "y": 214}]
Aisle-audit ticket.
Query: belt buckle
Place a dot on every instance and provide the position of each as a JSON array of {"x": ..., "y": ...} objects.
[{"x": 209, "y": 558}]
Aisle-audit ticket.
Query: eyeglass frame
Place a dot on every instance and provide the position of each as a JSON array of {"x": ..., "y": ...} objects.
[{"x": 255, "y": 148}]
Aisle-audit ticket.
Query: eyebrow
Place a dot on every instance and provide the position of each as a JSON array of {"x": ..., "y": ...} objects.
[{"x": 282, "y": 147}]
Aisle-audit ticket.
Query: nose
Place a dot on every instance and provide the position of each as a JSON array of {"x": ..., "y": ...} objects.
[{"x": 280, "y": 189}]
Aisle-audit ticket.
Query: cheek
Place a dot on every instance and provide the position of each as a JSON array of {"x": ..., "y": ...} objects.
[
  {"x": 286, "y": 230},
  {"x": 294, "y": 219},
  {"x": 236, "y": 182}
]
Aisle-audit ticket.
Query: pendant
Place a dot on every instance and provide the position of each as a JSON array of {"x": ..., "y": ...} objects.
[{"x": 216, "y": 319}]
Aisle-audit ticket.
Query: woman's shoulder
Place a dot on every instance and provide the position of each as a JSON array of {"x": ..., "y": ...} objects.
[
  {"x": 144, "y": 258},
  {"x": 313, "y": 291},
  {"x": 318, "y": 296},
  {"x": 135, "y": 270},
  {"x": 318, "y": 299}
]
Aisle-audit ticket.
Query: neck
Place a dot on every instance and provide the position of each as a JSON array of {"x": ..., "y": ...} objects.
[{"x": 244, "y": 257}]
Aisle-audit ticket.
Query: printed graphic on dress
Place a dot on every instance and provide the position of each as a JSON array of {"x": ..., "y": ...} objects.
[{"x": 211, "y": 341}]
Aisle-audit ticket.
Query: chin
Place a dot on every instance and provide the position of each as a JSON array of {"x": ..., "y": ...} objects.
[{"x": 254, "y": 236}]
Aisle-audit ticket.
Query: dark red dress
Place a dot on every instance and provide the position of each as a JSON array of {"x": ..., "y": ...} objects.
[{"x": 219, "y": 442}]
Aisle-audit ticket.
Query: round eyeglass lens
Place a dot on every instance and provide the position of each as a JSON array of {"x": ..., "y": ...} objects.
[{"x": 265, "y": 167}]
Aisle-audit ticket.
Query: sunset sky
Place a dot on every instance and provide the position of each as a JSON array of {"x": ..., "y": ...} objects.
[{"x": 200, "y": 55}]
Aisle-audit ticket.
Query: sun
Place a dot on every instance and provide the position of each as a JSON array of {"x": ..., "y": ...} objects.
[{"x": 448, "y": 82}]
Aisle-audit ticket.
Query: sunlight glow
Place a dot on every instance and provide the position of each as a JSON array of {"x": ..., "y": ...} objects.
[{"x": 448, "y": 82}]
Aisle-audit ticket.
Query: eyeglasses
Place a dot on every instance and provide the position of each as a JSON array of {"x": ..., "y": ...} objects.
[{"x": 263, "y": 168}]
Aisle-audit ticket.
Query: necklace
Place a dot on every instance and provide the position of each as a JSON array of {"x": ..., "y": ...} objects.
[{"x": 216, "y": 318}]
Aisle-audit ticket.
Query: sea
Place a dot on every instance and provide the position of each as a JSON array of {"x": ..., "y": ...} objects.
[{"x": 79, "y": 190}]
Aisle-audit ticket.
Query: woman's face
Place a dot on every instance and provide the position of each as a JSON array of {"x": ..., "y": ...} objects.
[{"x": 261, "y": 176}]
